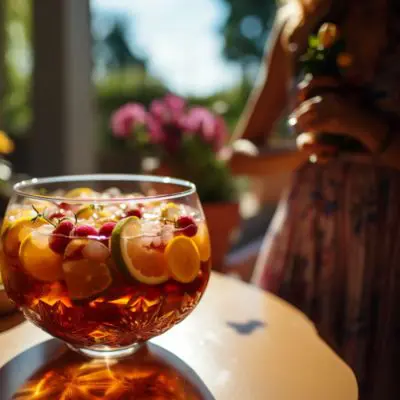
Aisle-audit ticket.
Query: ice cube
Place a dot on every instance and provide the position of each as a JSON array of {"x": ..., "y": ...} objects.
[
  {"x": 146, "y": 241},
  {"x": 167, "y": 233},
  {"x": 112, "y": 192},
  {"x": 157, "y": 241}
]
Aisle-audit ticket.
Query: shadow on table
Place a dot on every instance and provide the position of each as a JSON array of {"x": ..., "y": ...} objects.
[
  {"x": 50, "y": 371},
  {"x": 10, "y": 321}
]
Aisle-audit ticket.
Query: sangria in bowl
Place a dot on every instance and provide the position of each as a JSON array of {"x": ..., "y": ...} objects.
[{"x": 105, "y": 262}]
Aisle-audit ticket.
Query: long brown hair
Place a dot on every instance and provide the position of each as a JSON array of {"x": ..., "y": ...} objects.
[{"x": 303, "y": 16}]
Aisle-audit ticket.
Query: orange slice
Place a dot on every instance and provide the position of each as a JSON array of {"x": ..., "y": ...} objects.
[
  {"x": 37, "y": 259},
  {"x": 202, "y": 240},
  {"x": 145, "y": 264},
  {"x": 86, "y": 278},
  {"x": 80, "y": 192},
  {"x": 183, "y": 259},
  {"x": 17, "y": 231}
]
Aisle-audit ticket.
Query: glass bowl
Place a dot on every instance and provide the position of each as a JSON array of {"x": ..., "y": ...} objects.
[{"x": 105, "y": 262}]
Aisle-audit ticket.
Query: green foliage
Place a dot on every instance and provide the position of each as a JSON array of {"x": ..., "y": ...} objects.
[
  {"x": 118, "y": 88},
  {"x": 16, "y": 108},
  {"x": 197, "y": 163},
  {"x": 112, "y": 50},
  {"x": 322, "y": 61},
  {"x": 246, "y": 29}
]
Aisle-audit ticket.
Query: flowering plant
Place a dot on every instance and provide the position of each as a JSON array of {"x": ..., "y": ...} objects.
[{"x": 187, "y": 139}]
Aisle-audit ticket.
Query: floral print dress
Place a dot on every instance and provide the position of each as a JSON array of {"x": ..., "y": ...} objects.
[{"x": 333, "y": 248}]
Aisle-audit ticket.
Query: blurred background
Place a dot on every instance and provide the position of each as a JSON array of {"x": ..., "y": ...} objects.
[{"x": 69, "y": 63}]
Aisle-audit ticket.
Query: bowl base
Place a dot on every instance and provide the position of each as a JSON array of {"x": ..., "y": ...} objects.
[{"x": 106, "y": 352}]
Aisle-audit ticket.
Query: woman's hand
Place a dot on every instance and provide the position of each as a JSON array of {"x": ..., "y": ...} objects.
[{"x": 334, "y": 113}]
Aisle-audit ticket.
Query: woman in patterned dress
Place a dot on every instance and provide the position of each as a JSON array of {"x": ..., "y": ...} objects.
[{"x": 333, "y": 248}]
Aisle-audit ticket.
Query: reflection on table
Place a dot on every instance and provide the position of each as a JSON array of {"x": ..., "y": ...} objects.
[{"x": 50, "y": 371}]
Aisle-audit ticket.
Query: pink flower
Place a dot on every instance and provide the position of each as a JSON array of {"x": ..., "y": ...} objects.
[
  {"x": 221, "y": 133},
  {"x": 212, "y": 129},
  {"x": 126, "y": 118},
  {"x": 165, "y": 122},
  {"x": 169, "y": 110},
  {"x": 156, "y": 133}
]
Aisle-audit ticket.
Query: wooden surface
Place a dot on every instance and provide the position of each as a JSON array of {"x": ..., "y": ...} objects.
[{"x": 241, "y": 342}]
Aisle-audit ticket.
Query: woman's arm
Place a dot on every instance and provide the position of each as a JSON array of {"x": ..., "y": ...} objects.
[
  {"x": 268, "y": 163},
  {"x": 270, "y": 96},
  {"x": 266, "y": 104}
]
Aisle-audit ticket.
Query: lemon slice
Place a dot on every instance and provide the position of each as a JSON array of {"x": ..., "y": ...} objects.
[
  {"x": 80, "y": 192},
  {"x": 15, "y": 232},
  {"x": 170, "y": 211},
  {"x": 183, "y": 259},
  {"x": 38, "y": 260},
  {"x": 202, "y": 240},
  {"x": 145, "y": 264},
  {"x": 86, "y": 278}
]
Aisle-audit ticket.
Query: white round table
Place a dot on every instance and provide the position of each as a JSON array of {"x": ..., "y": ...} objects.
[{"x": 243, "y": 343}]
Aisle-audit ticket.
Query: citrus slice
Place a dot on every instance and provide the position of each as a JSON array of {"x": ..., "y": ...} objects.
[
  {"x": 202, "y": 240},
  {"x": 183, "y": 259},
  {"x": 133, "y": 256},
  {"x": 16, "y": 232},
  {"x": 38, "y": 260},
  {"x": 92, "y": 211},
  {"x": 170, "y": 211},
  {"x": 85, "y": 212},
  {"x": 80, "y": 192},
  {"x": 86, "y": 278}
]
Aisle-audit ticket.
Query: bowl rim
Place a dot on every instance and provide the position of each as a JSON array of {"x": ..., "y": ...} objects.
[{"x": 188, "y": 188}]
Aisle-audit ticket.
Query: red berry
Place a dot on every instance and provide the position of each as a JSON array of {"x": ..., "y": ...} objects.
[
  {"x": 64, "y": 206},
  {"x": 60, "y": 237},
  {"x": 85, "y": 231},
  {"x": 134, "y": 212},
  {"x": 58, "y": 243},
  {"x": 187, "y": 225},
  {"x": 107, "y": 228},
  {"x": 64, "y": 227},
  {"x": 57, "y": 215}
]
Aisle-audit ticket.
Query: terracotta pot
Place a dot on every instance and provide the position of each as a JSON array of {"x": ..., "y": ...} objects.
[{"x": 223, "y": 220}]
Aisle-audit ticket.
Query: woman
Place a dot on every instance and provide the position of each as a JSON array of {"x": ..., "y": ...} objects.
[{"x": 333, "y": 248}]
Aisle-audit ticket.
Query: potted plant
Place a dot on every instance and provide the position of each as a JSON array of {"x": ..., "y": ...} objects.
[
  {"x": 187, "y": 140},
  {"x": 6, "y": 147}
]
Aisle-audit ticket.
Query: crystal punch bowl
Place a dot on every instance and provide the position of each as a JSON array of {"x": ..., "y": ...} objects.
[{"x": 105, "y": 262}]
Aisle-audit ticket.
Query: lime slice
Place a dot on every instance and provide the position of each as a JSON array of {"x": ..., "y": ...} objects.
[
  {"x": 38, "y": 260},
  {"x": 145, "y": 264},
  {"x": 183, "y": 259}
]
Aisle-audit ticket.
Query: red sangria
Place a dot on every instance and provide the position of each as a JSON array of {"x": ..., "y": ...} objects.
[{"x": 105, "y": 263}]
